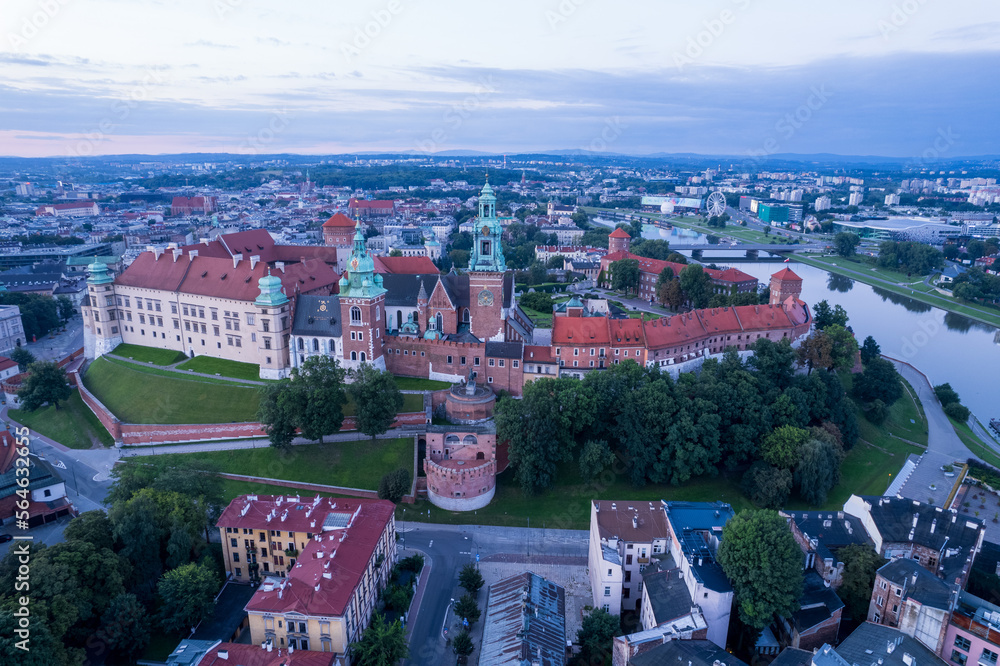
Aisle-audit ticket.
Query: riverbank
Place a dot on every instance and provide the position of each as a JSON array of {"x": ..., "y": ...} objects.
[{"x": 918, "y": 291}]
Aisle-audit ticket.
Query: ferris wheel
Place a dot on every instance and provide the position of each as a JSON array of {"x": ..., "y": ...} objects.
[{"x": 716, "y": 204}]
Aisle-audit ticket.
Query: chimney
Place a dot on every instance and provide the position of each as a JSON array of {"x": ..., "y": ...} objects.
[
  {"x": 635, "y": 523},
  {"x": 177, "y": 252},
  {"x": 933, "y": 525},
  {"x": 224, "y": 655},
  {"x": 254, "y": 258},
  {"x": 204, "y": 240},
  {"x": 192, "y": 254},
  {"x": 237, "y": 258},
  {"x": 279, "y": 265}
]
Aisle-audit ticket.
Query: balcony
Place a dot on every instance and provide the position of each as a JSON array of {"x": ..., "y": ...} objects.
[{"x": 642, "y": 560}]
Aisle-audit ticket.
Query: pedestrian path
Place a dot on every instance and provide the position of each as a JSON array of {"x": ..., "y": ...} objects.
[
  {"x": 186, "y": 373},
  {"x": 258, "y": 443}
]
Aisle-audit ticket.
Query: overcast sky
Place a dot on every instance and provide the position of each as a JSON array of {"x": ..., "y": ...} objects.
[{"x": 908, "y": 78}]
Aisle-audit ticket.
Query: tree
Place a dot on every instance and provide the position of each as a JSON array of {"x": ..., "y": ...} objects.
[
  {"x": 767, "y": 486},
  {"x": 595, "y": 458},
  {"x": 467, "y": 608},
  {"x": 764, "y": 564},
  {"x": 279, "y": 412},
  {"x": 187, "y": 596},
  {"x": 860, "y": 564},
  {"x": 376, "y": 398},
  {"x": 125, "y": 627},
  {"x": 538, "y": 301},
  {"x": 845, "y": 243},
  {"x": 22, "y": 357},
  {"x": 596, "y": 638},
  {"x": 824, "y": 316},
  {"x": 869, "y": 350},
  {"x": 654, "y": 249},
  {"x": 322, "y": 391},
  {"x": 946, "y": 394},
  {"x": 818, "y": 471},
  {"x": 45, "y": 383},
  {"x": 382, "y": 644},
  {"x": 696, "y": 285},
  {"x": 781, "y": 448},
  {"x": 92, "y": 527},
  {"x": 462, "y": 645},
  {"x": 879, "y": 381},
  {"x": 816, "y": 351},
  {"x": 394, "y": 485},
  {"x": 396, "y": 253},
  {"x": 625, "y": 275},
  {"x": 666, "y": 275},
  {"x": 670, "y": 294},
  {"x": 957, "y": 411},
  {"x": 471, "y": 579},
  {"x": 66, "y": 309}
]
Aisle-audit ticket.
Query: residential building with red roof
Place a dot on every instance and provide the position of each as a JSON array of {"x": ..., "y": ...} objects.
[
  {"x": 321, "y": 563},
  {"x": 724, "y": 280},
  {"x": 192, "y": 652},
  {"x": 75, "y": 209},
  {"x": 376, "y": 208},
  {"x": 200, "y": 205}
]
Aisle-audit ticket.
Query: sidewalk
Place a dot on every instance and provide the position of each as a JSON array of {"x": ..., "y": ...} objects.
[
  {"x": 259, "y": 443},
  {"x": 418, "y": 597},
  {"x": 186, "y": 373}
]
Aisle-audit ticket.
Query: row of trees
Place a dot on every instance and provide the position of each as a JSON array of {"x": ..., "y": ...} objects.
[
  {"x": 313, "y": 399},
  {"x": 978, "y": 286},
  {"x": 666, "y": 431},
  {"x": 117, "y": 578},
  {"x": 909, "y": 257},
  {"x": 40, "y": 314}
]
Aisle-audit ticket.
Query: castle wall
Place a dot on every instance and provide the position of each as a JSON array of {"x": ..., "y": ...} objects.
[
  {"x": 450, "y": 361},
  {"x": 455, "y": 487}
]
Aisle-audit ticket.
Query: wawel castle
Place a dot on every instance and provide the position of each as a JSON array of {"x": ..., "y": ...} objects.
[{"x": 242, "y": 297}]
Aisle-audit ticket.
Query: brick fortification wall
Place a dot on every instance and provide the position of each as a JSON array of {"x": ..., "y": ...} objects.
[{"x": 414, "y": 357}]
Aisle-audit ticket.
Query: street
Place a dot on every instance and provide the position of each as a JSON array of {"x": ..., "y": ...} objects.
[{"x": 449, "y": 547}]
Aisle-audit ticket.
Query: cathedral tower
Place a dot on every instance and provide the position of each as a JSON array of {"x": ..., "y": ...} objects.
[
  {"x": 362, "y": 308},
  {"x": 486, "y": 271}
]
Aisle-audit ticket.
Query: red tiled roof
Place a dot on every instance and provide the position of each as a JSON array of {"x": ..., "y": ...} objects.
[
  {"x": 786, "y": 274},
  {"x": 339, "y": 220},
  {"x": 405, "y": 265},
  {"x": 626, "y": 332},
  {"x": 72, "y": 206},
  {"x": 330, "y": 567},
  {"x": 763, "y": 317},
  {"x": 538, "y": 354},
  {"x": 619, "y": 233},
  {"x": 580, "y": 331},
  {"x": 671, "y": 331},
  {"x": 216, "y": 277},
  {"x": 731, "y": 275},
  {"x": 362, "y": 203},
  {"x": 6, "y": 363},
  {"x": 656, "y": 266},
  {"x": 255, "y": 655}
]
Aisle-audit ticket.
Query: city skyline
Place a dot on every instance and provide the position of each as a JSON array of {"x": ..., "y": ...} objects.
[{"x": 911, "y": 80}]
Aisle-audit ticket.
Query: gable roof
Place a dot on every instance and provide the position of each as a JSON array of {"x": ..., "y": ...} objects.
[
  {"x": 580, "y": 331},
  {"x": 406, "y": 265},
  {"x": 525, "y": 622},
  {"x": 918, "y": 583},
  {"x": 216, "y": 277}
]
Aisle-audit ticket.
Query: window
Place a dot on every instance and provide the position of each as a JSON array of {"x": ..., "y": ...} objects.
[
  {"x": 265, "y": 325},
  {"x": 576, "y": 352},
  {"x": 607, "y": 590},
  {"x": 959, "y": 658},
  {"x": 492, "y": 363},
  {"x": 463, "y": 360},
  {"x": 449, "y": 360},
  {"x": 515, "y": 363},
  {"x": 267, "y": 343},
  {"x": 236, "y": 557},
  {"x": 501, "y": 363},
  {"x": 475, "y": 361},
  {"x": 963, "y": 643},
  {"x": 249, "y": 319},
  {"x": 988, "y": 657},
  {"x": 239, "y": 572},
  {"x": 489, "y": 380},
  {"x": 355, "y": 315},
  {"x": 879, "y": 600},
  {"x": 173, "y": 308}
]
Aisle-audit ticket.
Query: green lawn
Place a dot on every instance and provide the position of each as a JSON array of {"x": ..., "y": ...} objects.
[
  {"x": 232, "y": 489},
  {"x": 149, "y": 354},
  {"x": 358, "y": 464},
  {"x": 539, "y": 319},
  {"x": 974, "y": 444},
  {"x": 136, "y": 396},
  {"x": 223, "y": 367},
  {"x": 420, "y": 384},
  {"x": 72, "y": 425},
  {"x": 170, "y": 374},
  {"x": 567, "y": 504},
  {"x": 898, "y": 424}
]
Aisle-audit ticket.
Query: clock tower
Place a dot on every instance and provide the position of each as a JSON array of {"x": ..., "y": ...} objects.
[
  {"x": 362, "y": 308},
  {"x": 486, "y": 271}
]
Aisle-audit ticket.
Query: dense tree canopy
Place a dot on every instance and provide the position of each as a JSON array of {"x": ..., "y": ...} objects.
[
  {"x": 845, "y": 243},
  {"x": 376, "y": 398},
  {"x": 909, "y": 257},
  {"x": 764, "y": 565},
  {"x": 46, "y": 383}
]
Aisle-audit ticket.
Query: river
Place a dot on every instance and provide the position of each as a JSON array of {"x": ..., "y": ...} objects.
[{"x": 944, "y": 346}]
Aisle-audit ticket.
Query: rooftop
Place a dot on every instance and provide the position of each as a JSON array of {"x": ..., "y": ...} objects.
[
  {"x": 879, "y": 645},
  {"x": 525, "y": 622},
  {"x": 686, "y": 653},
  {"x": 918, "y": 583},
  {"x": 631, "y": 522}
]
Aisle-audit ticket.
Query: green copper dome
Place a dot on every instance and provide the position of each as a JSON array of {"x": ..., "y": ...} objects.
[
  {"x": 98, "y": 273},
  {"x": 360, "y": 279},
  {"x": 270, "y": 291}
]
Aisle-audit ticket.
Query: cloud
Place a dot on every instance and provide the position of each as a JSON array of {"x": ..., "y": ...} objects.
[
  {"x": 840, "y": 105},
  {"x": 971, "y": 33},
  {"x": 210, "y": 45}
]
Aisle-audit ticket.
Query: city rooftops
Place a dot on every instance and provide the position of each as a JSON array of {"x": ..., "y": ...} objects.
[
  {"x": 918, "y": 584},
  {"x": 631, "y": 522},
  {"x": 525, "y": 622},
  {"x": 879, "y": 645},
  {"x": 697, "y": 526}
]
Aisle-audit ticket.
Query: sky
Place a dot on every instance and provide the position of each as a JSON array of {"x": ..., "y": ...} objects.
[{"x": 915, "y": 79}]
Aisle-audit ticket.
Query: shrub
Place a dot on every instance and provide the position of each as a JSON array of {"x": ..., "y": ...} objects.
[
  {"x": 394, "y": 485},
  {"x": 957, "y": 411}
]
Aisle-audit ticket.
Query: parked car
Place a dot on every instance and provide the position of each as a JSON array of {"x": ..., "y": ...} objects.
[{"x": 4, "y": 538}]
